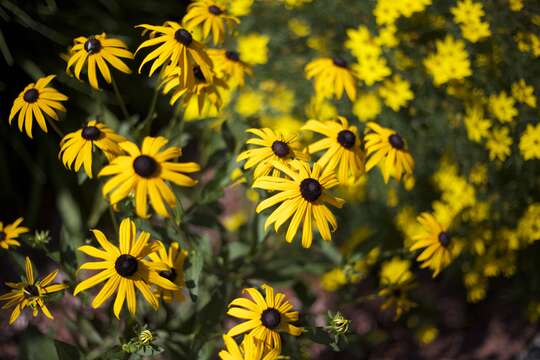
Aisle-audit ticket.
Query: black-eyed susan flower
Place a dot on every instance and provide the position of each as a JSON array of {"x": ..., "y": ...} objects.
[
  {"x": 342, "y": 146},
  {"x": 211, "y": 17},
  {"x": 435, "y": 242},
  {"x": 124, "y": 268},
  {"x": 76, "y": 148},
  {"x": 229, "y": 66},
  {"x": 203, "y": 90},
  {"x": 174, "y": 259},
  {"x": 10, "y": 233},
  {"x": 177, "y": 48},
  {"x": 144, "y": 173},
  {"x": 387, "y": 148},
  {"x": 31, "y": 293},
  {"x": 266, "y": 317},
  {"x": 303, "y": 197},
  {"x": 271, "y": 146},
  {"x": 97, "y": 52},
  {"x": 250, "y": 349},
  {"x": 37, "y": 98},
  {"x": 332, "y": 77},
  {"x": 396, "y": 280}
]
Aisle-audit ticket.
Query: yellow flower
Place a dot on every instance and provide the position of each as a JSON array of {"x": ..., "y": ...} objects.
[
  {"x": 529, "y": 224},
  {"x": 449, "y": 62},
  {"x": 240, "y": 7},
  {"x": 266, "y": 317},
  {"x": 498, "y": 144},
  {"x": 174, "y": 260},
  {"x": 320, "y": 108},
  {"x": 529, "y": 145},
  {"x": 387, "y": 36},
  {"x": 249, "y": 103},
  {"x": 299, "y": 27},
  {"x": 229, "y": 67},
  {"x": 10, "y": 233},
  {"x": 251, "y": 349},
  {"x": 396, "y": 271},
  {"x": 396, "y": 280},
  {"x": 253, "y": 48},
  {"x": 202, "y": 89},
  {"x": 37, "y": 98},
  {"x": 475, "y": 31},
  {"x": 333, "y": 279},
  {"x": 271, "y": 147},
  {"x": 427, "y": 334},
  {"x": 30, "y": 292},
  {"x": 144, "y": 172},
  {"x": 342, "y": 148},
  {"x": 466, "y": 11},
  {"x": 211, "y": 17},
  {"x": 282, "y": 123},
  {"x": 124, "y": 268},
  {"x": 332, "y": 77},
  {"x": 524, "y": 93},
  {"x": 515, "y": 5},
  {"x": 371, "y": 69},
  {"x": 177, "y": 48},
  {"x": 303, "y": 197},
  {"x": 476, "y": 125},
  {"x": 435, "y": 242},
  {"x": 396, "y": 93},
  {"x": 502, "y": 107},
  {"x": 367, "y": 107},
  {"x": 386, "y": 145},
  {"x": 98, "y": 51},
  {"x": 76, "y": 148}
]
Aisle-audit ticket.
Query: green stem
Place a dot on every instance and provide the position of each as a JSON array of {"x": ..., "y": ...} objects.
[
  {"x": 56, "y": 128},
  {"x": 150, "y": 115},
  {"x": 120, "y": 99},
  {"x": 113, "y": 219}
]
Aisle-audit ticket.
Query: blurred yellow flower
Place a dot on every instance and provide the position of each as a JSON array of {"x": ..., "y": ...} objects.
[
  {"x": 367, "y": 106},
  {"x": 498, "y": 144},
  {"x": 529, "y": 144},
  {"x": 524, "y": 93},
  {"x": 476, "y": 124},
  {"x": 253, "y": 48},
  {"x": 396, "y": 92},
  {"x": 249, "y": 103},
  {"x": 502, "y": 107},
  {"x": 333, "y": 279},
  {"x": 299, "y": 27},
  {"x": 449, "y": 62}
]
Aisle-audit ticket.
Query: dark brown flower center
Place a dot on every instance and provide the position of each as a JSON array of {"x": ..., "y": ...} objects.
[
  {"x": 199, "y": 74},
  {"x": 215, "y": 10},
  {"x": 168, "y": 274},
  {"x": 90, "y": 132},
  {"x": 396, "y": 141},
  {"x": 310, "y": 189},
  {"x": 183, "y": 36},
  {"x": 92, "y": 45},
  {"x": 145, "y": 166},
  {"x": 31, "y": 95},
  {"x": 3, "y": 236},
  {"x": 280, "y": 148},
  {"x": 339, "y": 62},
  {"x": 232, "y": 55},
  {"x": 271, "y": 318},
  {"x": 126, "y": 265},
  {"x": 31, "y": 290},
  {"x": 444, "y": 239},
  {"x": 346, "y": 138}
]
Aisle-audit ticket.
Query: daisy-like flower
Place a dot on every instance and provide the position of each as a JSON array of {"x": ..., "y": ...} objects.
[
  {"x": 177, "y": 48},
  {"x": 98, "y": 52},
  {"x": 342, "y": 146},
  {"x": 435, "y": 242},
  {"x": 76, "y": 148},
  {"x": 144, "y": 172},
  {"x": 529, "y": 145},
  {"x": 30, "y": 292},
  {"x": 211, "y": 18},
  {"x": 396, "y": 280},
  {"x": 229, "y": 66},
  {"x": 203, "y": 90},
  {"x": 271, "y": 146},
  {"x": 174, "y": 259},
  {"x": 124, "y": 268},
  {"x": 387, "y": 147},
  {"x": 10, "y": 233},
  {"x": 332, "y": 77},
  {"x": 266, "y": 316},
  {"x": 37, "y": 98},
  {"x": 303, "y": 197},
  {"x": 251, "y": 349}
]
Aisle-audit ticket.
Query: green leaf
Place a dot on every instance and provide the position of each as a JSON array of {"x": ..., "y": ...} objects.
[
  {"x": 66, "y": 351},
  {"x": 193, "y": 272}
]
